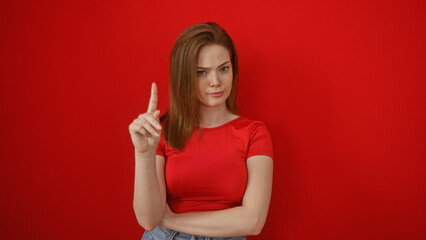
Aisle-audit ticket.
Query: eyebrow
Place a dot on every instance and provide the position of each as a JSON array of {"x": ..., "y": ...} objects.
[{"x": 217, "y": 67}]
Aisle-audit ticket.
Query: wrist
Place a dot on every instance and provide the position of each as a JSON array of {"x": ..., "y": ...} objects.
[
  {"x": 168, "y": 220},
  {"x": 145, "y": 155},
  {"x": 148, "y": 152},
  {"x": 172, "y": 219}
]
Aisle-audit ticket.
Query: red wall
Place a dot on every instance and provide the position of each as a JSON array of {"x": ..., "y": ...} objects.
[{"x": 340, "y": 84}]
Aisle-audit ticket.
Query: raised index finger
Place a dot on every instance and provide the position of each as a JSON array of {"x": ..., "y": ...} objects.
[{"x": 154, "y": 98}]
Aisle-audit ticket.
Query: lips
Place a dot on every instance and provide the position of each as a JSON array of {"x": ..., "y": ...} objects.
[{"x": 216, "y": 93}]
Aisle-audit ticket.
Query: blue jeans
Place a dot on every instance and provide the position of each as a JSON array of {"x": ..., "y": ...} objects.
[{"x": 160, "y": 233}]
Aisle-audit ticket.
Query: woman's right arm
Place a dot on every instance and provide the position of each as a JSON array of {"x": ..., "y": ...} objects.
[{"x": 149, "y": 198}]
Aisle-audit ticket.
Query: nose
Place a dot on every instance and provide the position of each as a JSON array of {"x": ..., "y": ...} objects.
[{"x": 214, "y": 80}]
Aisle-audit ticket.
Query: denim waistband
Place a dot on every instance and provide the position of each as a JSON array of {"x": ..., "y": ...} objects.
[{"x": 160, "y": 233}]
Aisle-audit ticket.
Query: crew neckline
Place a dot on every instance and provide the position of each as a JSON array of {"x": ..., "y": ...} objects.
[{"x": 223, "y": 125}]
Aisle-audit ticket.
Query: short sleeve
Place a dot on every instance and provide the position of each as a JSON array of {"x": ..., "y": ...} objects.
[
  {"x": 260, "y": 142},
  {"x": 161, "y": 147}
]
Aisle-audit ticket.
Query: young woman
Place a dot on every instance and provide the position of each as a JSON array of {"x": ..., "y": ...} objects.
[{"x": 202, "y": 171}]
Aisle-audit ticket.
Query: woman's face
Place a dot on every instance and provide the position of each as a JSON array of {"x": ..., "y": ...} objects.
[{"x": 214, "y": 71}]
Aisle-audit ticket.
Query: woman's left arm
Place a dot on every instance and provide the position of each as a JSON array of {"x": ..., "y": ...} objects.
[{"x": 244, "y": 220}]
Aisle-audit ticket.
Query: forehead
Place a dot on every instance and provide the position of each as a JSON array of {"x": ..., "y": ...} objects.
[{"x": 212, "y": 55}]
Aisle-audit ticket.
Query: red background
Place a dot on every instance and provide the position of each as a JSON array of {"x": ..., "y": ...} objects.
[{"x": 340, "y": 85}]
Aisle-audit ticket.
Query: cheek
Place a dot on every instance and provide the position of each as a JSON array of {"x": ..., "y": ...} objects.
[
  {"x": 230, "y": 81},
  {"x": 201, "y": 87},
  {"x": 231, "y": 76},
  {"x": 201, "y": 90}
]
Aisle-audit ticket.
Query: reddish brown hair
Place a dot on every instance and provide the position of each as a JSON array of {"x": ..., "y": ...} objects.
[{"x": 183, "y": 113}]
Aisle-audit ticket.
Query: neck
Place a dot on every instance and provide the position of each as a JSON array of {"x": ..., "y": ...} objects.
[{"x": 214, "y": 116}]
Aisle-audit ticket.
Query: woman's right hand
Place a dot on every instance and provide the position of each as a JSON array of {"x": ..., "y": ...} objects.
[{"x": 146, "y": 129}]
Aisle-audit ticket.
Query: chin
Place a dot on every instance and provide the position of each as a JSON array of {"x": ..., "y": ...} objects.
[{"x": 216, "y": 105}]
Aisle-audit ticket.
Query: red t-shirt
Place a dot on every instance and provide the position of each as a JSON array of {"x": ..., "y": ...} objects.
[{"x": 211, "y": 173}]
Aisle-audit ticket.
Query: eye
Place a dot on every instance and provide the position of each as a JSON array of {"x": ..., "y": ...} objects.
[
  {"x": 224, "y": 69},
  {"x": 201, "y": 73}
]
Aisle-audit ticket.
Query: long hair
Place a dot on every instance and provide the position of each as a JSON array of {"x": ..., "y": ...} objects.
[{"x": 183, "y": 113}]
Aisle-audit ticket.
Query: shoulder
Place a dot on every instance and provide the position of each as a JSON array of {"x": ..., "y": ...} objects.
[
  {"x": 260, "y": 140},
  {"x": 253, "y": 128},
  {"x": 253, "y": 125}
]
